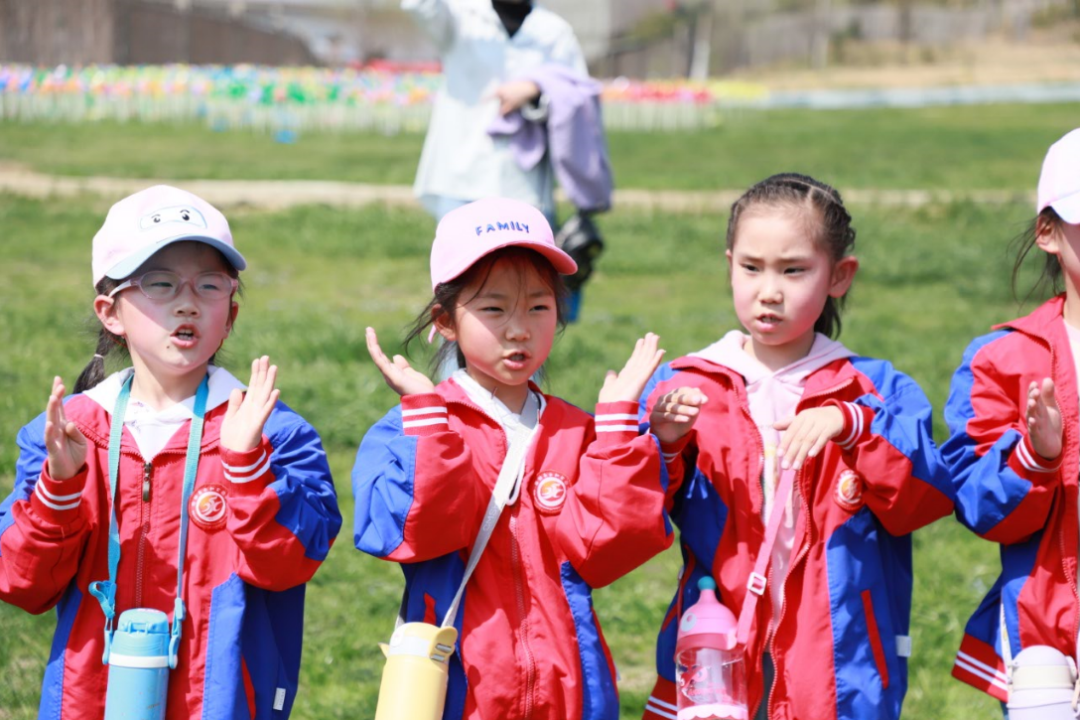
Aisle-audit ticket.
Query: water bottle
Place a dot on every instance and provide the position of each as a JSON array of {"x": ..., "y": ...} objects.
[
  {"x": 1042, "y": 685},
  {"x": 138, "y": 667},
  {"x": 710, "y": 673},
  {"x": 417, "y": 669}
]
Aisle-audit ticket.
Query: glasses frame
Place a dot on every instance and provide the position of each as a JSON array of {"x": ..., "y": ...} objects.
[{"x": 136, "y": 282}]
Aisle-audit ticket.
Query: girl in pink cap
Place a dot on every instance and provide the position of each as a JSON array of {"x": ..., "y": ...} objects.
[
  {"x": 1015, "y": 456},
  {"x": 167, "y": 503},
  {"x": 569, "y": 501}
]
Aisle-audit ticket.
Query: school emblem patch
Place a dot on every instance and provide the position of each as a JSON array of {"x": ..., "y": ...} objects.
[
  {"x": 550, "y": 492},
  {"x": 208, "y": 507},
  {"x": 849, "y": 491}
]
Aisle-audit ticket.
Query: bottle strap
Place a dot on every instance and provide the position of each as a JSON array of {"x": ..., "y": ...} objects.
[
  {"x": 105, "y": 590},
  {"x": 755, "y": 586}
]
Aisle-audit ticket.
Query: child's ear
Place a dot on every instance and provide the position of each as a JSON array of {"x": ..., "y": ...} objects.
[
  {"x": 843, "y": 274},
  {"x": 233, "y": 312},
  {"x": 1047, "y": 237},
  {"x": 105, "y": 309},
  {"x": 443, "y": 323}
]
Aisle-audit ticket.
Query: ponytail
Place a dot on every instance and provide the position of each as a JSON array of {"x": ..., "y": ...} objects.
[{"x": 94, "y": 372}]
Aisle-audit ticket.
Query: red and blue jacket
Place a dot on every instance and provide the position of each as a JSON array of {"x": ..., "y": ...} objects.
[
  {"x": 590, "y": 509},
  {"x": 841, "y": 642},
  {"x": 1007, "y": 493},
  {"x": 260, "y": 524}
]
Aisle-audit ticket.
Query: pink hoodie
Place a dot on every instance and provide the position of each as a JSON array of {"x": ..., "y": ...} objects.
[{"x": 773, "y": 396}]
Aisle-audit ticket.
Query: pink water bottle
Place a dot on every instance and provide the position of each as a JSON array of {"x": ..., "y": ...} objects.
[{"x": 710, "y": 673}]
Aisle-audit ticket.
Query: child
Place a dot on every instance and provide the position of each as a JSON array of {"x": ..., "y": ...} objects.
[
  {"x": 586, "y": 505},
  {"x": 850, "y": 433},
  {"x": 261, "y": 515},
  {"x": 1012, "y": 412}
]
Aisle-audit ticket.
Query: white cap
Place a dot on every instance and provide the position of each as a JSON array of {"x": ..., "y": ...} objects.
[
  {"x": 1059, "y": 183},
  {"x": 141, "y": 224}
]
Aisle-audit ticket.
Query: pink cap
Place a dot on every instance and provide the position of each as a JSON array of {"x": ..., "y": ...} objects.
[
  {"x": 1059, "y": 183},
  {"x": 707, "y": 623},
  {"x": 470, "y": 232},
  {"x": 141, "y": 224}
]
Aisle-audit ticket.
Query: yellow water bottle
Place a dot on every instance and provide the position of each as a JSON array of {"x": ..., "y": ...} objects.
[{"x": 416, "y": 673}]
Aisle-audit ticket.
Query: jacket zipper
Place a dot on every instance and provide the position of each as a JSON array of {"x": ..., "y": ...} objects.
[
  {"x": 804, "y": 549},
  {"x": 522, "y": 606},
  {"x": 518, "y": 573},
  {"x": 144, "y": 530}
]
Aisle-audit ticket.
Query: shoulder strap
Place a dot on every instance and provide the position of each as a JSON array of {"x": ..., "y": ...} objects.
[
  {"x": 755, "y": 586},
  {"x": 506, "y": 491}
]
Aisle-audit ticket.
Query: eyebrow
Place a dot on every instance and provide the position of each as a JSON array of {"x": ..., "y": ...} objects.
[
  {"x": 503, "y": 296},
  {"x": 746, "y": 257}
]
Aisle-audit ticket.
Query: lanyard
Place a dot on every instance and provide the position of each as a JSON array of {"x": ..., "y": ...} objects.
[{"x": 105, "y": 590}]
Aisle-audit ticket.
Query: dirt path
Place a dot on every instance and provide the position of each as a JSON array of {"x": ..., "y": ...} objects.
[{"x": 278, "y": 194}]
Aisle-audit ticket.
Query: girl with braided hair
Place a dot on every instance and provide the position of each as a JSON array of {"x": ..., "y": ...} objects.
[{"x": 798, "y": 471}]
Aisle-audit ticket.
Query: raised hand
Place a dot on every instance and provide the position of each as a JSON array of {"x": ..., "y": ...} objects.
[
  {"x": 806, "y": 434},
  {"x": 399, "y": 375},
  {"x": 629, "y": 383},
  {"x": 241, "y": 430},
  {"x": 675, "y": 413},
  {"x": 1044, "y": 419},
  {"x": 64, "y": 441}
]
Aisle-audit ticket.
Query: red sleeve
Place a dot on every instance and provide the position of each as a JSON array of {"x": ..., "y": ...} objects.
[
  {"x": 283, "y": 506},
  {"x": 417, "y": 492},
  {"x": 614, "y": 518},
  {"x": 41, "y": 549},
  {"x": 889, "y": 443}
]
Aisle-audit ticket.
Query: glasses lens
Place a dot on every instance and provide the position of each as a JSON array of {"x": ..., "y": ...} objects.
[
  {"x": 213, "y": 285},
  {"x": 160, "y": 284}
]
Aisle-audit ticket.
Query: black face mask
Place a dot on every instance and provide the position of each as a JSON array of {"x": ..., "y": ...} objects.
[{"x": 512, "y": 13}]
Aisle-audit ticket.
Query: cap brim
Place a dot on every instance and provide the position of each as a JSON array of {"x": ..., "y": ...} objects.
[
  {"x": 1068, "y": 208},
  {"x": 130, "y": 264}
]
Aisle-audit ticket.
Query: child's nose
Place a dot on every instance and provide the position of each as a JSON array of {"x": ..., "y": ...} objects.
[
  {"x": 186, "y": 301},
  {"x": 770, "y": 290}
]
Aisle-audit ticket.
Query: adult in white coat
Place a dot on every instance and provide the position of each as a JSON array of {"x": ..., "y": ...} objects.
[{"x": 484, "y": 45}]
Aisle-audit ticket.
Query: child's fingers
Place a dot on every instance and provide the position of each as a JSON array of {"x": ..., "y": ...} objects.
[
  {"x": 783, "y": 424},
  {"x": 1047, "y": 393},
  {"x": 374, "y": 350},
  {"x": 236, "y": 397}
]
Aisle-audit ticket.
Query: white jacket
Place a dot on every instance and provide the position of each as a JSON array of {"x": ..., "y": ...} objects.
[{"x": 460, "y": 160}]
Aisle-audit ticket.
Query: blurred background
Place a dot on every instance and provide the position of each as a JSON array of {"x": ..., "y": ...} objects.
[{"x": 304, "y": 120}]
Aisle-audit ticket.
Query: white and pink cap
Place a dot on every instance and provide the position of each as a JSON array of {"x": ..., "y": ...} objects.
[
  {"x": 141, "y": 224},
  {"x": 468, "y": 233},
  {"x": 1059, "y": 183}
]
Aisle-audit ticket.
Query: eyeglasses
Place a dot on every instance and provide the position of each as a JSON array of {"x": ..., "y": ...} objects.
[{"x": 163, "y": 285}]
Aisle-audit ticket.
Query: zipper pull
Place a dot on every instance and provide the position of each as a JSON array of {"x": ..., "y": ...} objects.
[{"x": 147, "y": 468}]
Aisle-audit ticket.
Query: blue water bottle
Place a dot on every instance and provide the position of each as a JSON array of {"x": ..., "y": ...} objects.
[{"x": 138, "y": 667}]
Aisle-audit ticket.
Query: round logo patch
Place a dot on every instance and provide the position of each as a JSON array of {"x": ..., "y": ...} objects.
[
  {"x": 849, "y": 491},
  {"x": 208, "y": 508},
  {"x": 550, "y": 492}
]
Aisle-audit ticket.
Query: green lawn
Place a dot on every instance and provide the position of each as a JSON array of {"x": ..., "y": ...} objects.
[
  {"x": 931, "y": 280},
  {"x": 955, "y": 148}
]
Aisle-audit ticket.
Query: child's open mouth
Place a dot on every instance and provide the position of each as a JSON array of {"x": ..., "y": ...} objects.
[{"x": 184, "y": 337}]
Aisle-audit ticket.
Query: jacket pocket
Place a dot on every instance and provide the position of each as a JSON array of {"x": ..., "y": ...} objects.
[{"x": 874, "y": 636}]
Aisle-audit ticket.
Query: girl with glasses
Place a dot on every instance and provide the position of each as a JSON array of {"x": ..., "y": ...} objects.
[{"x": 169, "y": 486}]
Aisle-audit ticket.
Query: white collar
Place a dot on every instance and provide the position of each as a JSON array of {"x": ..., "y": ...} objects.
[
  {"x": 496, "y": 409},
  {"x": 222, "y": 383}
]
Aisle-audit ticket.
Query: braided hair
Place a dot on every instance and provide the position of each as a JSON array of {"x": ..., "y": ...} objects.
[{"x": 824, "y": 213}]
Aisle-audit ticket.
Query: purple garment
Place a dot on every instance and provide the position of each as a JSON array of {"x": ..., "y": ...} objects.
[{"x": 573, "y": 135}]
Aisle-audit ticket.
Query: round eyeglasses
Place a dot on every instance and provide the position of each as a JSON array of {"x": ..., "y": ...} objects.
[{"x": 163, "y": 285}]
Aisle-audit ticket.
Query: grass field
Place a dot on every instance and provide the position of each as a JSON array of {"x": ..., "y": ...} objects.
[
  {"x": 931, "y": 279},
  {"x": 959, "y": 148}
]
